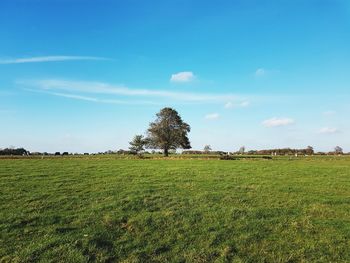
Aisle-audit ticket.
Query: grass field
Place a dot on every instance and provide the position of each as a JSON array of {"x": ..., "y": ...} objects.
[{"x": 128, "y": 210}]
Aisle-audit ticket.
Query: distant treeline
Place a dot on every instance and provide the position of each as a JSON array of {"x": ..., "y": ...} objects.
[
  {"x": 288, "y": 151},
  {"x": 284, "y": 151},
  {"x": 12, "y": 151},
  {"x": 204, "y": 152}
]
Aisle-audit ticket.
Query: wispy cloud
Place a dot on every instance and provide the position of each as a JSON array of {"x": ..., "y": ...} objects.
[
  {"x": 278, "y": 122},
  {"x": 328, "y": 130},
  {"x": 108, "y": 101},
  {"x": 242, "y": 104},
  {"x": 260, "y": 72},
  {"x": 94, "y": 99},
  {"x": 105, "y": 88},
  {"x": 47, "y": 59},
  {"x": 185, "y": 76},
  {"x": 212, "y": 116}
]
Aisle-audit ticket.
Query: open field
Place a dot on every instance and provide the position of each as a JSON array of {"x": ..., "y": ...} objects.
[{"x": 94, "y": 209}]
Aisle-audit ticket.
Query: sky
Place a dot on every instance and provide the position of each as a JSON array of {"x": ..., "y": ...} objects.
[{"x": 86, "y": 76}]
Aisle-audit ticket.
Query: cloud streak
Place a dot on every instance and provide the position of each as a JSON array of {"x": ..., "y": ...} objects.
[
  {"x": 107, "y": 101},
  {"x": 48, "y": 59},
  {"x": 242, "y": 104},
  {"x": 278, "y": 122},
  {"x": 212, "y": 116},
  {"x": 57, "y": 85},
  {"x": 260, "y": 72},
  {"x": 328, "y": 130},
  {"x": 185, "y": 76},
  {"x": 93, "y": 99}
]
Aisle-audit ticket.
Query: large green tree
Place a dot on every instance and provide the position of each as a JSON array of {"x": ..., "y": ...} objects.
[{"x": 168, "y": 132}]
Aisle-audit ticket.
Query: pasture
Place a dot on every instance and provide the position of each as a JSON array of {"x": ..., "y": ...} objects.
[{"x": 108, "y": 209}]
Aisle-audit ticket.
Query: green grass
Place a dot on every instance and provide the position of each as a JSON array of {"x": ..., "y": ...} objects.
[{"x": 118, "y": 210}]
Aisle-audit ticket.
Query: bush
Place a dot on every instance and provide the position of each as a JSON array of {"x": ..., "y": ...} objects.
[{"x": 227, "y": 157}]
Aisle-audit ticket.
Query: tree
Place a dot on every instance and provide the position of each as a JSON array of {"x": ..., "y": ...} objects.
[
  {"x": 207, "y": 148},
  {"x": 309, "y": 150},
  {"x": 168, "y": 132},
  {"x": 138, "y": 144},
  {"x": 338, "y": 150},
  {"x": 14, "y": 151},
  {"x": 242, "y": 150}
]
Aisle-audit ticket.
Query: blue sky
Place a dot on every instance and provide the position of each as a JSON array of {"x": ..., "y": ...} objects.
[{"x": 88, "y": 75}]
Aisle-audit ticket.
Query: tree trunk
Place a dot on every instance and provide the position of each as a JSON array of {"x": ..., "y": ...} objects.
[{"x": 166, "y": 152}]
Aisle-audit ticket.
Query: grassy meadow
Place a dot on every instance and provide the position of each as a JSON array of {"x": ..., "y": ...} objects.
[{"x": 92, "y": 209}]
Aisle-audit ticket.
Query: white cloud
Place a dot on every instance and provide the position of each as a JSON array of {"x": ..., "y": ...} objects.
[
  {"x": 212, "y": 116},
  {"x": 185, "y": 76},
  {"x": 230, "y": 105},
  {"x": 260, "y": 72},
  {"x": 328, "y": 130},
  {"x": 47, "y": 59},
  {"x": 278, "y": 122},
  {"x": 105, "y": 88}
]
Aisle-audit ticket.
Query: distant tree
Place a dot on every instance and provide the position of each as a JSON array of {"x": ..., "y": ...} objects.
[
  {"x": 309, "y": 150},
  {"x": 168, "y": 132},
  {"x": 207, "y": 148},
  {"x": 14, "y": 151},
  {"x": 242, "y": 150},
  {"x": 137, "y": 145},
  {"x": 338, "y": 150}
]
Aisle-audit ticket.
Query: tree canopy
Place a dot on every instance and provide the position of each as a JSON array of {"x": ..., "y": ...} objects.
[
  {"x": 138, "y": 144},
  {"x": 168, "y": 132},
  {"x": 338, "y": 150},
  {"x": 207, "y": 148}
]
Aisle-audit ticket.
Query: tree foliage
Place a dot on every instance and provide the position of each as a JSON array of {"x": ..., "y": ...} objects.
[
  {"x": 338, "y": 150},
  {"x": 168, "y": 132},
  {"x": 309, "y": 150},
  {"x": 137, "y": 145},
  {"x": 285, "y": 151},
  {"x": 207, "y": 148},
  {"x": 242, "y": 150},
  {"x": 13, "y": 151}
]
